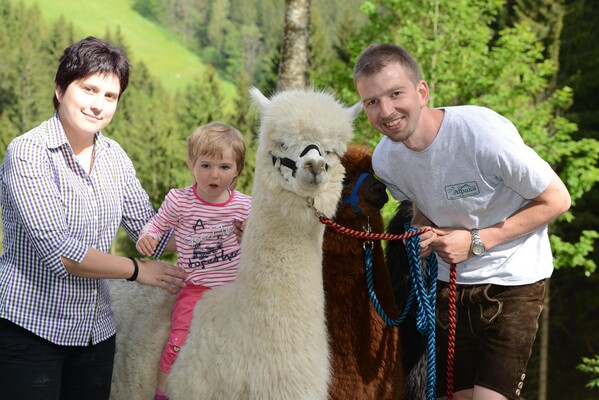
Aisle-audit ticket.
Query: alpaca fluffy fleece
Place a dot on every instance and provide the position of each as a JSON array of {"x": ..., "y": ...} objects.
[
  {"x": 143, "y": 318},
  {"x": 264, "y": 336}
]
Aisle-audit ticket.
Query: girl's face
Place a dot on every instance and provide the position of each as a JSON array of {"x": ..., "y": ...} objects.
[
  {"x": 87, "y": 105},
  {"x": 214, "y": 176}
]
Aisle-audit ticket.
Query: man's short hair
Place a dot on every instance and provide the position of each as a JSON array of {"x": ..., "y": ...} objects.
[{"x": 377, "y": 56}]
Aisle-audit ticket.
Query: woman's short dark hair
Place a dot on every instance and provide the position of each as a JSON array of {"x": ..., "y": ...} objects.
[{"x": 88, "y": 57}]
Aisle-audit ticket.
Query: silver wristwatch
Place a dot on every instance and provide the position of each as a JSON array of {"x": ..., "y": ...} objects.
[{"x": 477, "y": 246}]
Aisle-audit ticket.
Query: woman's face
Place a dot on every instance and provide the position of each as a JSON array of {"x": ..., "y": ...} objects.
[{"x": 88, "y": 104}]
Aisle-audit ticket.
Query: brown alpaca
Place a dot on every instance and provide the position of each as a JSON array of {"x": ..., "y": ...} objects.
[{"x": 365, "y": 352}]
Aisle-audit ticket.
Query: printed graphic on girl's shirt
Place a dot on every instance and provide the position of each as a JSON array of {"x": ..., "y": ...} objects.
[{"x": 204, "y": 254}]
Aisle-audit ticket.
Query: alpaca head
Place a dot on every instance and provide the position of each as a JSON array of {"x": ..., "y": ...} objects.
[
  {"x": 363, "y": 194},
  {"x": 362, "y": 198},
  {"x": 303, "y": 134}
]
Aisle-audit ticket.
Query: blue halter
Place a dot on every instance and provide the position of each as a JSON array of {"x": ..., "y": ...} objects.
[{"x": 352, "y": 199}]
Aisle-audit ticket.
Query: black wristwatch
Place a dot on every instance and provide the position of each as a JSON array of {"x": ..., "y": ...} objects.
[{"x": 477, "y": 246}]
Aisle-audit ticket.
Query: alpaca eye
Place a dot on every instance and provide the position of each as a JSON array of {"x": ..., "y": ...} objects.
[{"x": 283, "y": 146}]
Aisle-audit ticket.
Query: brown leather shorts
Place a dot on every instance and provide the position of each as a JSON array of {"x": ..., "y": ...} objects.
[{"x": 496, "y": 328}]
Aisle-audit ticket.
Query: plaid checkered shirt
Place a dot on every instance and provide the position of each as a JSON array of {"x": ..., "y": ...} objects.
[{"x": 51, "y": 208}]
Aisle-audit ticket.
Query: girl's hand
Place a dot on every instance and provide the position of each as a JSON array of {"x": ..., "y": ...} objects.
[
  {"x": 146, "y": 245},
  {"x": 239, "y": 227}
]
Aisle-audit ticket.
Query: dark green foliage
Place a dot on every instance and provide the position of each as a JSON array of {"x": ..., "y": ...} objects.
[
  {"x": 245, "y": 119},
  {"x": 579, "y": 57},
  {"x": 151, "y": 9},
  {"x": 145, "y": 127},
  {"x": 26, "y": 82},
  {"x": 201, "y": 102},
  {"x": 8, "y": 132}
]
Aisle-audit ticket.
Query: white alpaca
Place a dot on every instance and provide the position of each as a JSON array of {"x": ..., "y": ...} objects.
[{"x": 263, "y": 336}]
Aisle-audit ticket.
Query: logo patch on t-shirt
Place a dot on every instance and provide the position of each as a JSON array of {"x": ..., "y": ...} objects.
[{"x": 461, "y": 190}]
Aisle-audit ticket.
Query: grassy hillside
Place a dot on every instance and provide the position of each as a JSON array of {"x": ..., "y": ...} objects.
[{"x": 166, "y": 58}]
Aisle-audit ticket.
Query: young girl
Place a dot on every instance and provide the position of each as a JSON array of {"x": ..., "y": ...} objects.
[{"x": 203, "y": 216}]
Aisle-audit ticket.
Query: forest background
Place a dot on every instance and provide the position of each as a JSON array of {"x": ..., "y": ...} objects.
[{"x": 534, "y": 61}]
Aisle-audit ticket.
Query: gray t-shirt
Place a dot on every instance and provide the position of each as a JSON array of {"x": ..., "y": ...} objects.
[{"x": 476, "y": 173}]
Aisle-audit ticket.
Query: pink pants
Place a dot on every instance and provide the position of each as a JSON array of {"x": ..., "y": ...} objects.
[{"x": 181, "y": 320}]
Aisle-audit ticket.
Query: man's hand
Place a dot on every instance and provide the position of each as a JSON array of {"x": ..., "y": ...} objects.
[
  {"x": 426, "y": 239},
  {"x": 452, "y": 245}
]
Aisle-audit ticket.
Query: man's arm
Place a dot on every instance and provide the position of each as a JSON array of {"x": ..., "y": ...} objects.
[
  {"x": 543, "y": 209},
  {"x": 453, "y": 245}
]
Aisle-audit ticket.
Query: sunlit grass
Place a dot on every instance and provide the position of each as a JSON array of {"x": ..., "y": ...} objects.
[{"x": 164, "y": 55}]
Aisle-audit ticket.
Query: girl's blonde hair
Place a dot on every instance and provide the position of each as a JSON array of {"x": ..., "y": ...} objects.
[{"x": 213, "y": 139}]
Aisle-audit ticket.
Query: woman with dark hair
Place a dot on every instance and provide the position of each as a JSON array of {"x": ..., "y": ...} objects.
[{"x": 65, "y": 190}]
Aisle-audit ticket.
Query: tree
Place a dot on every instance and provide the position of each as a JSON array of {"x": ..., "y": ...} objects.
[
  {"x": 143, "y": 125},
  {"x": 546, "y": 17},
  {"x": 61, "y": 36},
  {"x": 201, "y": 102},
  {"x": 218, "y": 25},
  {"x": 332, "y": 26},
  {"x": 151, "y": 9},
  {"x": 578, "y": 68},
  {"x": 26, "y": 89},
  {"x": 293, "y": 67},
  {"x": 245, "y": 120},
  {"x": 9, "y": 132},
  {"x": 188, "y": 19}
]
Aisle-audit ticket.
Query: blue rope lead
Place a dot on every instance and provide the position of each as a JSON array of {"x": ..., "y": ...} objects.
[
  {"x": 424, "y": 290},
  {"x": 375, "y": 300}
]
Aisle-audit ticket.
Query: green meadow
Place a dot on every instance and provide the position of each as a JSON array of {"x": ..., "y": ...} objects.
[{"x": 164, "y": 55}]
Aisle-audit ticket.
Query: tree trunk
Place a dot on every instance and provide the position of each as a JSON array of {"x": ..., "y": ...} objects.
[
  {"x": 544, "y": 345},
  {"x": 293, "y": 68}
]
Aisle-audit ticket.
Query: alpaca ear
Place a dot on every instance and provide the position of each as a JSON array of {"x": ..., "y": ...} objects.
[
  {"x": 259, "y": 99},
  {"x": 355, "y": 110}
]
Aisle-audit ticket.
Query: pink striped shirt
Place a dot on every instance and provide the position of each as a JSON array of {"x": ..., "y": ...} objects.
[{"x": 207, "y": 247}]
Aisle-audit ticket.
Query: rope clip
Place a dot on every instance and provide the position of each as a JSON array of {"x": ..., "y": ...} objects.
[
  {"x": 367, "y": 229},
  {"x": 320, "y": 215}
]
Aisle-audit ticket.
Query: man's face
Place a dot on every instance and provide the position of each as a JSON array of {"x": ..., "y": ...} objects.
[{"x": 392, "y": 102}]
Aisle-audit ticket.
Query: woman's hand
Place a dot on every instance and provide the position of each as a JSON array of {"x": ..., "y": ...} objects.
[{"x": 159, "y": 274}]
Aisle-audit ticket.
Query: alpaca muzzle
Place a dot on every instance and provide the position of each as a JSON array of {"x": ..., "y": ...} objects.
[{"x": 313, "y": 162}]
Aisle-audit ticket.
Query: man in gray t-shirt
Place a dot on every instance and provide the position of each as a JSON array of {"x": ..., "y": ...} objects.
[{"x": 488, "y": 198}]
